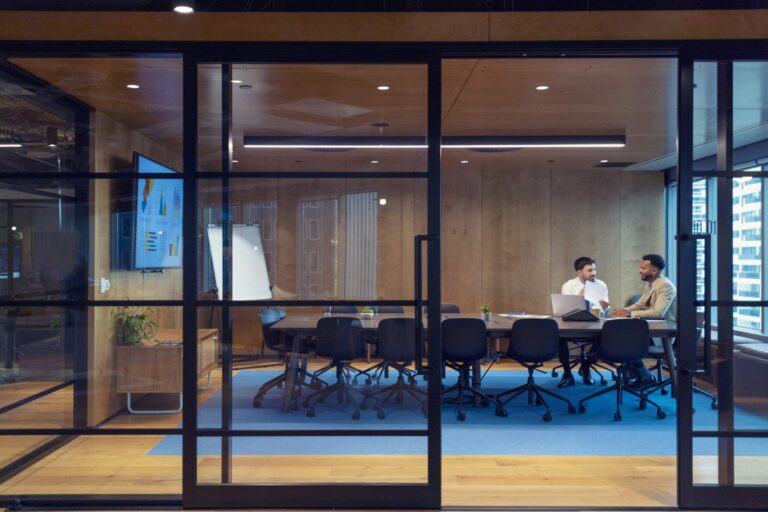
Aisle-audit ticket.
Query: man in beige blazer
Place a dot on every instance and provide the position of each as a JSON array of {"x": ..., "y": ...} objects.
[
  {"x": 658, "y": 298},
  {"x": 656, "y": 302}
]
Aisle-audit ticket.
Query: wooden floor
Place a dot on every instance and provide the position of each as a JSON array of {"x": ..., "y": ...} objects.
[{"x": 122, "y": 465}]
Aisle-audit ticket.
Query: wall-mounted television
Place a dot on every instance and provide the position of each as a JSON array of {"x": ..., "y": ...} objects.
[{"x": 157, "y": 219}]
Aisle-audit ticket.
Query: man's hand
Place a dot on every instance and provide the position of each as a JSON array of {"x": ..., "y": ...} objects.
[
  {"x": 604, "y": 304},
  {"x": 621, "y": 313}
]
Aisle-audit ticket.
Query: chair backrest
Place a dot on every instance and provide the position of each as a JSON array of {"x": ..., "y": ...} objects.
[
  {"x": 388, "y": 309},
  {"x": 269, "y": 317},
  {"x": 464, "y": 339},
  {"x": 447, "y": 307},
  {"x": 397, "y": 339},
  {"x": 339, "y": 337},
  {"x": 340, "y": 310},
  {"x": 624, "y": 340},
  {"x": 533, "y": 340}
]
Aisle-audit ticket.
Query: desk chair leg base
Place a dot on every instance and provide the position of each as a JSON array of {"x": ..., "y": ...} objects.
[{"x": 152, "y": 411}]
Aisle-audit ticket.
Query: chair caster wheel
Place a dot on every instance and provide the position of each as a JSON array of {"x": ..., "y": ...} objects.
[
  {"x": 617, "y": 416},
  {"x": 257, "y": 402},
  {"x": 500, "y": 411},
  {"x": 582, "y": 409},
  {"x": 663, "y": 391},
  {"x": 316, "y": 385},
  {"x": 571, "y": 409},
  {"x": 547, "y": 417},
  {"x": 642, "y": 404},
  {"x": 461, "y": 416},
  {"x": 310, "y": 413},
  {"x": 367, "y": 382},
  {"x": 603, "y": 382},
  {"x": 356, "y": 415},
  {"x": 554, "y": 373},
  {"x": 380, "y": 415},
  {"x": 305, "y": 403},
  {"x": 538, "y": 401},
  {"x": 661, "y": 414},
  {"x": 713, "y": 405}
]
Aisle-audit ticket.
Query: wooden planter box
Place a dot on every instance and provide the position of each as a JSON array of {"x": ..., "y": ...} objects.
[{"x": 158, "y": 368}]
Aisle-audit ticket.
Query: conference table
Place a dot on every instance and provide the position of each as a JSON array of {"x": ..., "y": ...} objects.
[{"x": 303, "y": 325}]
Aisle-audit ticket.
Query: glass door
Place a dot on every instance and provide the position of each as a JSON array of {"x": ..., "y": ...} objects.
[
  {"x": 723, "y": 150},
  {"x": 314, "y": 197}
]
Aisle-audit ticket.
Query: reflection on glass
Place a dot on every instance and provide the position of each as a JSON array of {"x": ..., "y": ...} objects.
[{"x": 312, "y": 239}]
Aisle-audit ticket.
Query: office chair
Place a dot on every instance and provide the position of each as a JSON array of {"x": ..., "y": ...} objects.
[
  {"x": 532, "y": 342},
  {"x": 447, "y": 307},
  {"x": 397, "y": 348},
  {"x": 282, "y": 344},
  {"x": 340, "y": 339},
  {"x": 379, "y": 310},
  {"x": 339, "y": 310},
  {"x": 660, "y": 366},
  {"x": 623, "y": 342},
  {"x": 464, "y": 344}
]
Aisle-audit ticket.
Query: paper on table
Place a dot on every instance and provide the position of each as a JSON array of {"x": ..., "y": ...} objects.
[
  {"x": 521, "y": 315},
  {"x": 594, "y": 293}
]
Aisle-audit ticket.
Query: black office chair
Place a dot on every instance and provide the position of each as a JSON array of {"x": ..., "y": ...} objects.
[
  {"x": 447, "y": 307},
  {"x": 464, "y": 344},
  {"x": 660, "y": 367},
  {"x": 397, "y": 349},
  {"x": 622, "y": 342},
  {"x": 532, "y": 342},
  {"x": 281, "y": 343},
  {"x": 339, "y": 310},
  {"x": 340, "y": 339},
  {"x": 379, "y": 310}
]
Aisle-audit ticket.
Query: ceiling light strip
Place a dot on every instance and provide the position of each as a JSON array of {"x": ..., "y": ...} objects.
[{"x": 450, "y": 142}]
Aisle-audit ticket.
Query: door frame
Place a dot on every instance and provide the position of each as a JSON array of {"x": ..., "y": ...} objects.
[
  {"x": 725, "y": 494},
  {"x": 197, "y": 495}
]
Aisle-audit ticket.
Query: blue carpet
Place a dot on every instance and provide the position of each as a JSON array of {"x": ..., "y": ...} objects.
[{"x": 522, "y": 433}]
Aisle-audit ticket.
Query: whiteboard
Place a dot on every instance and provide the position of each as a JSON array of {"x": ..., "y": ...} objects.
[{"x": 250, "y": 280}]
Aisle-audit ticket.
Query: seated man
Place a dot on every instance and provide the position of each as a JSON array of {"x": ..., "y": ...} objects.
[
  {"x": 656, "y": 302},
  {"x": 586, "y": 270}
]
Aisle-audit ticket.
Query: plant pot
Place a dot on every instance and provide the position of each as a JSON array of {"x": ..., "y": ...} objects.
[{"x": 486, "y": 316}]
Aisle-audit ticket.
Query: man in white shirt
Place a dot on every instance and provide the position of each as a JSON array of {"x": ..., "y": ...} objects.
[{"x": 586, "y": 270}]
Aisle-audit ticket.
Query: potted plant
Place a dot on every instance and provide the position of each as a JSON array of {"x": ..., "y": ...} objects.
[
  {"x": 486, "y": 312},
  {"x": 134, "y": 325}
]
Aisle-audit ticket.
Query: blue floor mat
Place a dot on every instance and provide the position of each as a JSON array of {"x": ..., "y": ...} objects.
[{"x": 482, "y": 433}]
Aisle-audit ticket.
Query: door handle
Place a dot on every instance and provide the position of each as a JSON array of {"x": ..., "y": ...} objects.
[{"x": 418, "y": 240}]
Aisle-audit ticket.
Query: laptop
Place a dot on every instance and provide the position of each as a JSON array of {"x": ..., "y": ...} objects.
[{"x": 562, "y": 304}]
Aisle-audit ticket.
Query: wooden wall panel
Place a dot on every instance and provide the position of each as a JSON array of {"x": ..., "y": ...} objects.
[
  {"x": 512, "y": 241},
  {"x": 462, "y": 235},
  {"x": 586, "y": 215},
  {"x": 642, "y": 226},
  {"x": 515, "y": 270}
]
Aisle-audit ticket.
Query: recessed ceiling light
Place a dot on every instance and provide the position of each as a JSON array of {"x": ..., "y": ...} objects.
[
  {"x": 235, "y": 161},
  {"x": 236, "y": 81},
  {"x": 133, "y": 86},
  {"x": 383, "y": 87},
  {"x": 603, "y": 161},
  {"x": 13, "y": 228},
  {"x": 374, "y": 161},
  {"x": 542, "y": 87},
  {"x": 465, "y": 161},
  {"x": 184, "y": 6},
  {"x": 383, "y": 201}
]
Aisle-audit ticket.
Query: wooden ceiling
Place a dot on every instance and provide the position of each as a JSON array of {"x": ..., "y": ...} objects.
[{"x": 634, "y": 97}]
